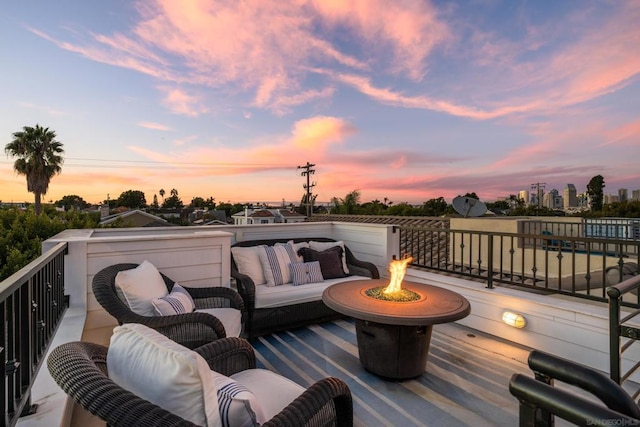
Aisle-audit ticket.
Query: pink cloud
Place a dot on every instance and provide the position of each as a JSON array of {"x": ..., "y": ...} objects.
[
  {"x": 180, "y": 102},
  {"x": 154, "y": 126},
  {"x": 320, "y": 132},
  {"x": 409, "y": 29}
]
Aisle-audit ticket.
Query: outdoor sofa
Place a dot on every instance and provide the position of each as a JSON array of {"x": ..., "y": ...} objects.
[{"x": 288, "y": 305}]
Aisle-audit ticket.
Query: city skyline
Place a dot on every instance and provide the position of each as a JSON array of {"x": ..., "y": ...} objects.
[{"x": 407, "y": 100}]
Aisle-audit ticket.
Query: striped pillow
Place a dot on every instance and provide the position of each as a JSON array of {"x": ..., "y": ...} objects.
[
  {"x": 237, "y": 404},
  {"x": 177, "y": 302},
  {"x": 306, "y": 272},
  {"x": 275, "y": 262}
]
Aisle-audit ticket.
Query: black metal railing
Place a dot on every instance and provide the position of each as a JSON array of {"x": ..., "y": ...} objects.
[
  {"x": 32, "y": 303},
  {"x": 623, "y": 331},
  {"x": 577, "y": 266},
  {"x": 602, "y": 228}
]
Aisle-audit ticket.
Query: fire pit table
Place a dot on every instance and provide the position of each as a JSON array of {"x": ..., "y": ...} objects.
[{"x": 393, "y": 337}]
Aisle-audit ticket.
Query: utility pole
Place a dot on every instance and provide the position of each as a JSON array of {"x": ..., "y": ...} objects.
[
  {"x": 538, "y": 186},
  {"x": 308, "y": 171}
]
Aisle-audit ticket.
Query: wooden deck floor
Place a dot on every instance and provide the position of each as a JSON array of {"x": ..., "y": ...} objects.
[{"x": 465, "y": 382}]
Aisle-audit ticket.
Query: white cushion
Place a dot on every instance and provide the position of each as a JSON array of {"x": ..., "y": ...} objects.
[
  {"x": 280, "y": 296},
  {"x": 305, "y": 272},
  {"x": 238, "y": 405},
  {"x": 178, "y": 301},
  {"x": 157, "y": 369},
  {"x": 231, "y": 318},
  {"x": 248, "y": 262},
  {"x": 275, "y": 262},
  {"x": 273, "y": 391},
  {"x": 321, "y": 246},
  {"x": 139, "y": 286}
]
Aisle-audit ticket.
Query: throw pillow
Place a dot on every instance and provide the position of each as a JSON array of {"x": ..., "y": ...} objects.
[
  {"x": 165, "y": 373},
  {"x": 275, "y": 262},
  {"x": 248, "y": 262},
  {"x": 306, "y": 272},
  {"x": 290, "y": 248},
  {"x": 238, "y": 406},
  {"x": 177, "y": 302},
  {"x": 139, "y": 286},
  {"x": 321, "y": 246},
  {"x": 330, "y": 261}
]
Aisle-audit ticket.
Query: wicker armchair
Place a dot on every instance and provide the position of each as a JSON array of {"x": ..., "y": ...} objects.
[
  {"x": 190, "y": 329},
  {"x": 80, "y": 369}
]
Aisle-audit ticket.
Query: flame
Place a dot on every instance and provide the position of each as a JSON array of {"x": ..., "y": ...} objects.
[{"x": 397, "y": 268}]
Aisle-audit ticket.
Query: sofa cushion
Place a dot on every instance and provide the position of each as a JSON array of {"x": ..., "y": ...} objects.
[
  {"x": 248, "y": 262},
  {"x": 280, "y": 296},
  {"x": 306, "y": 272},
  {"x": 138, "y": 286},
  {"x": 293, "y": 249},
  {"x": 231, "y": 318},
  {"x": 330, "y": 261},
  {"x": 275, "y": 262},
  {"x": 238, "y": 405},
  {"x": 178, "y": 301},
  {"x": 165, "y": 373},
  {"x": 273, "y": 391},
  {"x": 321, "y": 246}
]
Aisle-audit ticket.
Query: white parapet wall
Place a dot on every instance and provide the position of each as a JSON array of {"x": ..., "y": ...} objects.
[{"x": 565, "y": 326}]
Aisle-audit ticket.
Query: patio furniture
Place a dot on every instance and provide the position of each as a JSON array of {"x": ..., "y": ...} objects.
[
  {"x": 219, "y": 311},
  {"x": 80, "y": 369},
  {"x": 275, "y": 308},
  {"x": 394, "y": 337},
  {"x": 541, "y": 401}
]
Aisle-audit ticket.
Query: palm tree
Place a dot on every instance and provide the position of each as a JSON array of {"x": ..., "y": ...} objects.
[
  {"x": 39, "y": 158},
  {"x": 162, "y": 193}
]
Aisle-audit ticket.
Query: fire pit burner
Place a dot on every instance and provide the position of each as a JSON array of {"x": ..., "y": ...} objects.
[
  {"x": 403, "y": 295},
  {"x": 393, "y": 337}
]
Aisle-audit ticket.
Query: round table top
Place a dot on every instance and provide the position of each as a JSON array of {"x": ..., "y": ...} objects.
[{"x": 437, "y": 305}]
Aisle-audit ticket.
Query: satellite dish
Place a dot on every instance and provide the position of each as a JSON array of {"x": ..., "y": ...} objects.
[{"x": 468, "y": 206}]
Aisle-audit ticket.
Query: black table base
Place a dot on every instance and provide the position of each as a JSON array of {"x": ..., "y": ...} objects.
[{"x": 393, "y": 351}]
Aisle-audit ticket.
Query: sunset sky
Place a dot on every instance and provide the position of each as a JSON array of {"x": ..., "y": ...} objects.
[{"x": 404, "y": 100}]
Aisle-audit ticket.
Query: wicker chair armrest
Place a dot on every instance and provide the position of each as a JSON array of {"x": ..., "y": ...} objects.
[
  {"x": 362, "y": 267},
  {"x": 229, "y": 355},
  {"x": 313, "y": 403},
  {"x": 246, "y": 289},
  {"x": 210, "y": 297},
  {"x": 73, "y": 367}
]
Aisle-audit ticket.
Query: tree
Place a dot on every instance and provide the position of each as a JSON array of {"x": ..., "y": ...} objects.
[
  {"x": 173, "y": 202},
  {"x": 39, "y": 158},
  {"x": 133, "y": 199},
  {"x": 72, "y": 202},
  {"x": 435, "y": 207},
  {"x": 155, "y": 201},
  {"x": 162, "y": 193},
  {"x": 199, "y": 202},
  {"x": 595, "y": 191},
  {"x": 348, "y": 205}
]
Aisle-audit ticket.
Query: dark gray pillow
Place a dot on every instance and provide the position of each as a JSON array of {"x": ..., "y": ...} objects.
[{"x": 330, "y": 261}]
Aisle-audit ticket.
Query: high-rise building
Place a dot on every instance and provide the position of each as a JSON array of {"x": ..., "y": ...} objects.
[
  {"x": 635, "y": 195},
  {"x": 524, "y": 195},
  {"x": 570, "y": 196},
  {"x": 552, "y": 200},
  {"x": 610, "y": 198},
  {"x": 622, "y": 195}
]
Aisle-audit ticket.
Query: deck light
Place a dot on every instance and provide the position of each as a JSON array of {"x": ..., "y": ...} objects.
[{"x": 514, "y": 319}]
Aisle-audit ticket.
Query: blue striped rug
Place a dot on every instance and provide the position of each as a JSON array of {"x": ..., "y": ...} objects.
[{"x": 465, "y": 382}]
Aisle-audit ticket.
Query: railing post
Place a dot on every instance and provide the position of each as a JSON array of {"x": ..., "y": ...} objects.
[
  {"x": 490, "y": 262},
  {"x": 614, "y": 333}
]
